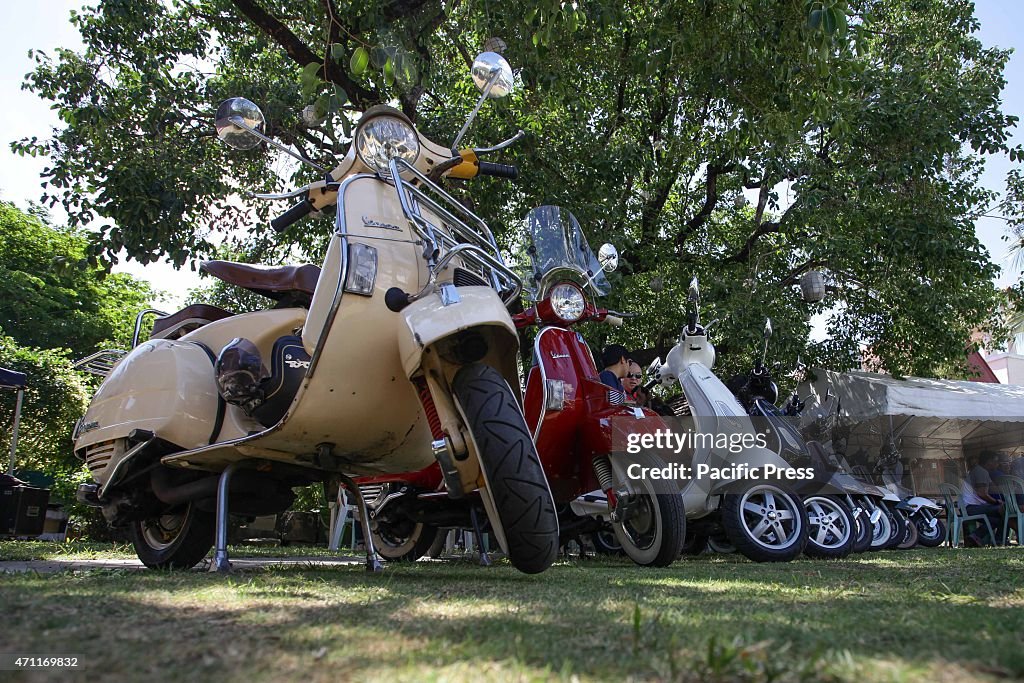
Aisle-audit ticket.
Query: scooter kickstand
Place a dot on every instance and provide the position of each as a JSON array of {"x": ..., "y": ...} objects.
[
  {"x": 478, "y": 536},
  {"x": 373, "y": 563},
  {"x": 220, "y": 563}
]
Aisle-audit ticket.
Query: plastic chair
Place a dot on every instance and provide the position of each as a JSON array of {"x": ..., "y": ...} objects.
[
  {"x": 956, "y": 517},
  {"x": 1012, "y": 487}
]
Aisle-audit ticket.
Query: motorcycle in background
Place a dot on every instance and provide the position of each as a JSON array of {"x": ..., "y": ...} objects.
[
  {"x": 833, "y": 528},
  {"x": 763, "y": 518},
  {"x": 411, "y": 298}
]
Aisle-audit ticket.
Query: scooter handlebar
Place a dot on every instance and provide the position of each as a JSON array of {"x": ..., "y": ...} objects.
[
  {"x": 499, "y": 170},
  {"x": 613, "y": 320},
  {"x": 300, "y": 210}
]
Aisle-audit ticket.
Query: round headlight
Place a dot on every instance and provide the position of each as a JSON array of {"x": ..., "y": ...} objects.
[
  {"x": 567, "y": 301},
  {"x": 384, "y": 138}
]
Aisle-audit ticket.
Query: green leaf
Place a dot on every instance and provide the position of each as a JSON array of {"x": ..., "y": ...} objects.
[
  {"x": 340, "y": 97},
  {"x": 322, "y": 106},
  {"x": 814, "y": 19},
  {"x": 360, "y": 61},
  {"x": 830, "y": 20}
]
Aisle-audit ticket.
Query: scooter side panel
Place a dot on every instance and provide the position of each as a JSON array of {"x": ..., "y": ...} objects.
[
  {"x": 164, "y": 386},
  {"x": 262, "y": 328}
]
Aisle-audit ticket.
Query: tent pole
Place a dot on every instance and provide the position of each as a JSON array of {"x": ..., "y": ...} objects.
[{"x": 17, "y": 419}]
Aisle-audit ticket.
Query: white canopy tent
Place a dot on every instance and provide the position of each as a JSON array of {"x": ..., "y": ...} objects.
[
  {"x": 930, "y": 420},
  {"x": 9, "y": 379}
]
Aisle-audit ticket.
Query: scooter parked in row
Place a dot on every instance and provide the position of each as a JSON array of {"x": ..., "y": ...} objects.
[
  {"x": 411, "y": 299},
  {"x": 762, "y": 516},
  {"x": 573, "y": 418},
  {"x": 833, "y": 528},
  {"x": 821, "y": 424},
  {"x": 579, "y": 423}
]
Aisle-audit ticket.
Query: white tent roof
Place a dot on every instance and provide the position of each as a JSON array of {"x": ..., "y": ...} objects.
[
  {"x": 868, "y": 395},
  {"x": 928, "y": 412}
]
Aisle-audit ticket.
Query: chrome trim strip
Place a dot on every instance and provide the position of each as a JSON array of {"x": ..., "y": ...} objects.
[
  {"x": 543, "y": 380},
  {"x": 128, "y": 455}
]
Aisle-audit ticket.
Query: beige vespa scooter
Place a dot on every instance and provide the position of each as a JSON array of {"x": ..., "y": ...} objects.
[{"x": 399, "y": 352}]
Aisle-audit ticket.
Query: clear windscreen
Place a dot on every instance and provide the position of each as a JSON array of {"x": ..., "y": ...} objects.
[{"x": 557, "y": 242}]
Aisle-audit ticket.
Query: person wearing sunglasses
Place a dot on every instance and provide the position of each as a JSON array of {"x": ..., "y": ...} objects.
[{"x": 633, "y": 385}]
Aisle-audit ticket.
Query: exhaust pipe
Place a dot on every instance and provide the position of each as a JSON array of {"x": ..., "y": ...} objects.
[{"x": 244, "y": 482}]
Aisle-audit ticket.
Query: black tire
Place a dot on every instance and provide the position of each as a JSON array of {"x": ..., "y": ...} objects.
[
  {"x": 405, "y": 541},
  {"x": 178, "y": 539},
  {"x": 695, "y": 544},
  {"x": 606, "y": 543},
  {"x": 720, "y": 544},
  {"x": 766, "y": 522},
  {"x": 831, "y": 531},
  {"x": 511, "y": 467},
  {"x": 653, "y": 532},
  {"x": 862, "y": 542},
  {"x": 909, "y": 533},
  {"x": 927, "y": 536},
  {"x": 881, "y": 531},
  {"x": 899, "y": 528}
]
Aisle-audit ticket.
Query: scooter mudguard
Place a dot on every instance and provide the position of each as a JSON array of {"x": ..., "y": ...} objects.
[
  {"x": 917, "y": 502},
  {"x": 479, "y": 311}
]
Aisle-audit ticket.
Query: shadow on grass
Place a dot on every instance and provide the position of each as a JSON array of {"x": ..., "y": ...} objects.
[{"x": 912, "y": 613}]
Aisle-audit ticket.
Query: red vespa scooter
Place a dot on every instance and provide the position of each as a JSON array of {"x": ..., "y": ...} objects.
[{"x": 574, "y": 418}]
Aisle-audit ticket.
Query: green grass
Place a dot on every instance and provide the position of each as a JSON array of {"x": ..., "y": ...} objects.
[{"x": 928, "y": 615}]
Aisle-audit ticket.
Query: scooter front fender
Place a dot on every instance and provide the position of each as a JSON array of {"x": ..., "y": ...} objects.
[
  {"x": 433, "y": 327},
  {"x": 435, "y": 340}
]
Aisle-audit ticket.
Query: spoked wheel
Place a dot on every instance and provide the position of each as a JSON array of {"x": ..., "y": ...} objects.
[
  {"x": 719, "y": 543},
  {"x": 766, "y": 522},
  {"x": 831, "y": 530},
  {"x": 517, "y": 496},
  {"x": 881, "y": 530},
  {"x": 649, "y": 524},
  {"x": 177, "y": 539},
  {"x": 910, "y": 534},
  {"x": 928, "y": 535},
  {"x": 403, "y": 541}
]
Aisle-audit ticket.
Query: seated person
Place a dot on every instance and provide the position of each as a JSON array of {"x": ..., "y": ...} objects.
[
  {"x": 615, "y": 359},
  {"x": 977, "y": 499},
  {"x": 633, "y": 384}
]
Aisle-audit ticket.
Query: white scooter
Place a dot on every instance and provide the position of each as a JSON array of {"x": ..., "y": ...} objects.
[{"x": 760, "y": 515}]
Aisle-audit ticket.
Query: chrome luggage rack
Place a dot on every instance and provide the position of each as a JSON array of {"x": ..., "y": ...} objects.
[
  {"x": 463, "y": 234},
  {"x": 101, "y": 362}
]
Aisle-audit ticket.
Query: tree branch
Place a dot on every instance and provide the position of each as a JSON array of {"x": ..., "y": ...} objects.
[
  {"x": 710, "y": 201},
  {"x": 302, "y": 54}
]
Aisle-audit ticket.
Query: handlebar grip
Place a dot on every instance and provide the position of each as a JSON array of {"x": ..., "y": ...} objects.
[
  {"x": 613, "y": 320},
  {"x": 499, "y": 170},
  {"x": 303, "y": 208}
]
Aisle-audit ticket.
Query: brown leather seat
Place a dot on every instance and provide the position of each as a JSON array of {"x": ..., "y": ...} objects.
[
  {"x": 277, "y": 282},
  {"x": 187, "y": 319}
]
